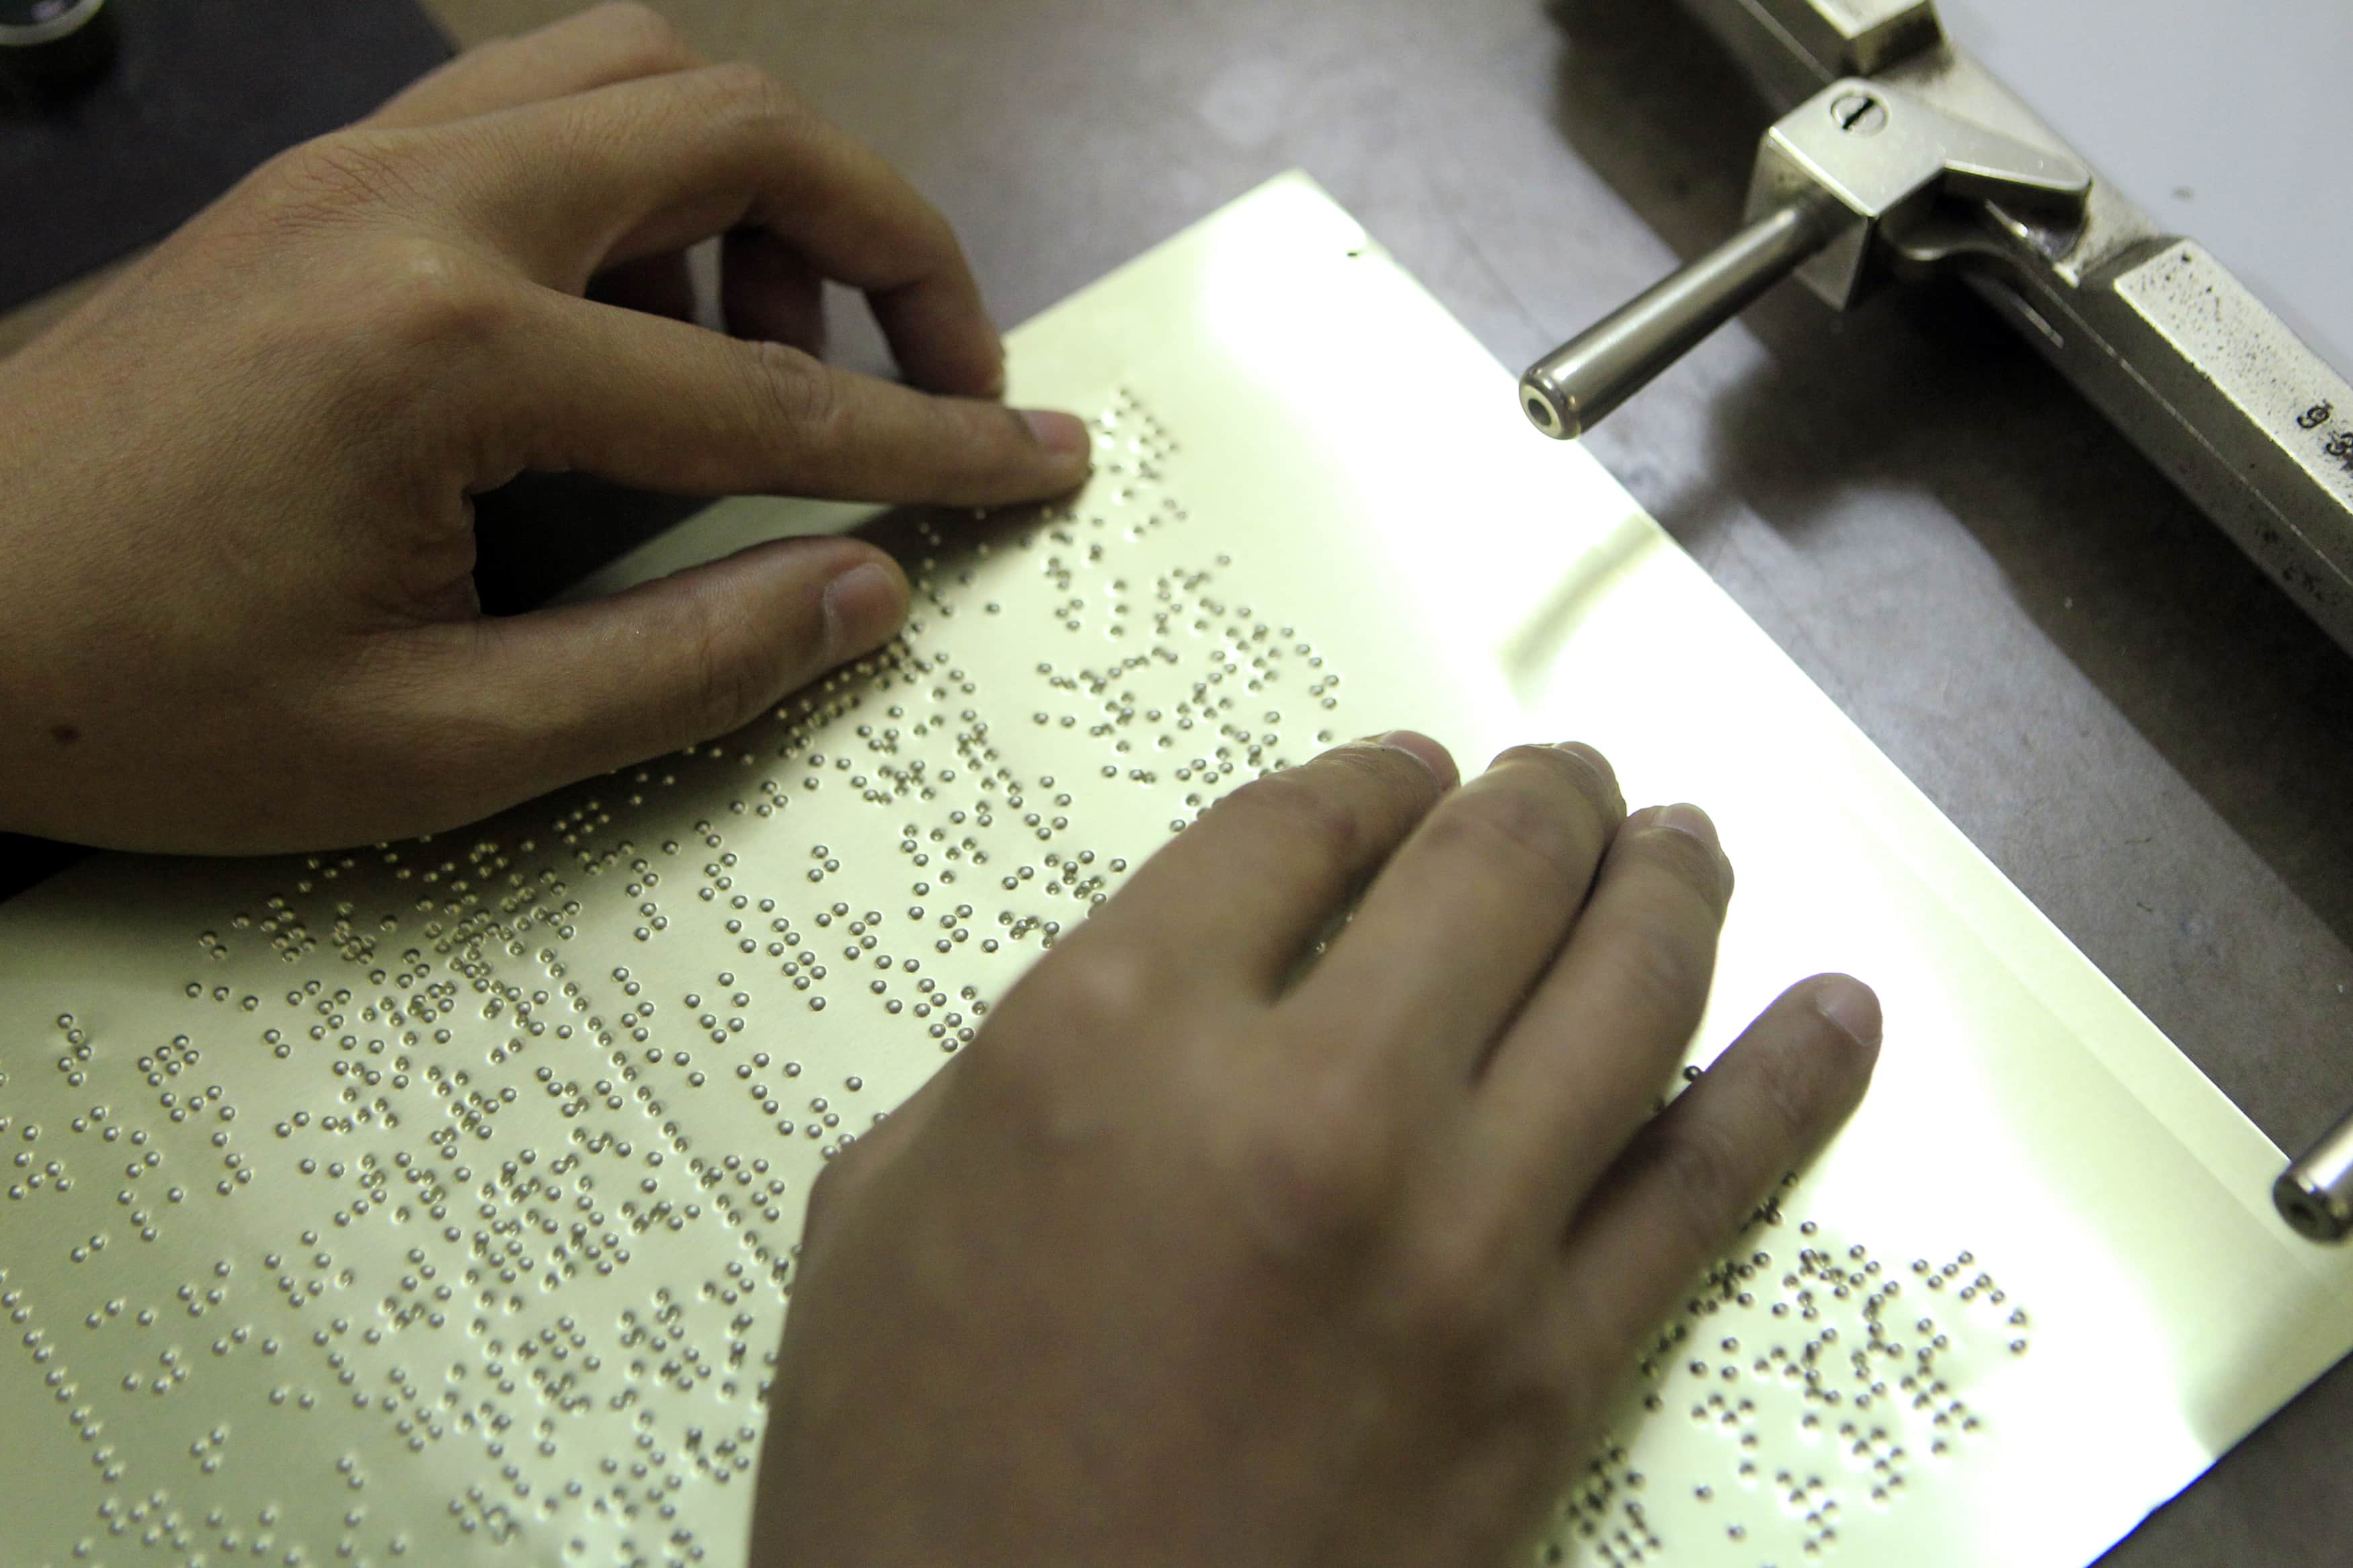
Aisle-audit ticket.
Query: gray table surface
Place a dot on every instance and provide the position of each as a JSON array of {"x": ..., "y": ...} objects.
[
  {"x": 2219, "y": 119},
  {"x": 2083, "y": 674}
]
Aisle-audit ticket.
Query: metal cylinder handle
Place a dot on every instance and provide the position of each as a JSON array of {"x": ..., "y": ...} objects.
[
  {"x": 1574, "y": 387},
  {"x": 2315, "y": 1195}
]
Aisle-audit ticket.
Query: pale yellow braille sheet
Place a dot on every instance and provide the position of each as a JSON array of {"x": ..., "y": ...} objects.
[{"x": 435, "y": 1203}]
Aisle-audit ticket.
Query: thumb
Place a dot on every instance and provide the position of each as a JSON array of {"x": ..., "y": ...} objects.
[{"x": 588, "y": 688}]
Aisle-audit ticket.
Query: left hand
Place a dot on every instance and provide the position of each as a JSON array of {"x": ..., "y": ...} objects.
[{"x": 237, "y": 608}]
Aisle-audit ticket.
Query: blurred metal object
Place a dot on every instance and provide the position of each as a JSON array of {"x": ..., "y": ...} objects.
[
  {"x": 1838, "y": 181},
  {"x": 1792, "y": 47},
  {"x": 2179, "y": 354},
  {"x": 48, "y": 48},
  {"x": 2315, "y": 1195}
]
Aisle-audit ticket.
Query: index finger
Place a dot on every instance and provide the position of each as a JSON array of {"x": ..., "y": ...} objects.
[{"x": 570, "y": 186}]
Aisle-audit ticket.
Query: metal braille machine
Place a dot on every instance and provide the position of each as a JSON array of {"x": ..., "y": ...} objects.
[{"x": 1901, "y": 157}]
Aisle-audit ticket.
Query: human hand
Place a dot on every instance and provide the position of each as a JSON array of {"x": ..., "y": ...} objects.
[
  {"x": 1194, "y": 1258},
  {"x": 236, "y": 604}
]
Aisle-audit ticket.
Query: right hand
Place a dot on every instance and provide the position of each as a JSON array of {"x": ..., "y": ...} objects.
[{"x": 1191, "y": 1258}]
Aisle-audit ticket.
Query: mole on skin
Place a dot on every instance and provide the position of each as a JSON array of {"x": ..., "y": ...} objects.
[{"x": 64, "y": 734}]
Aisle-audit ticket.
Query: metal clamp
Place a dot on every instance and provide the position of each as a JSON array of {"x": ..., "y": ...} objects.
[{"x": 1839, "y": 184}]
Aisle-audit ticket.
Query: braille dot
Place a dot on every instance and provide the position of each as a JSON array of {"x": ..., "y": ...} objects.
[{"x": 464, "y": 941}]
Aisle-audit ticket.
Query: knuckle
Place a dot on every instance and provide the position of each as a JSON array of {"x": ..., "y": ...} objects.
[
  {"x": 754, "y": 97},
  {"x": 1326, "y": 1171},
  {"x": 1390, "y": 776},
  {"x": 797, "y": 396},
  {"x": 1457, "y": 1284},
  {"x": 1700, "y": 1174},
  {"x": 1686, "y": 859},
  {"x": 1004, "y": 455},
  {"x": 456, "y": 764},
  {"x": 1089, "y": 1003},
  {"x": 335, "y": 175},
  {"x": 1662, "y": 968},
  {"x": 646, "y": 38},
  {"x": 979, "y": 452},
  {"x": 1789, "y": 1092},
  {"x": 1312, "y": 821},
  {"x": 1576, "y": 1368},
  {"x": 1504, "y": 822},
  {"x": 1587, "y": 782},
  {"x": 729, "y": 688},
  {"x": 1095, "y": 991},
  {"x": 1806, "y": 1085},
  {"x": 928, "y": 239},
  {"x": 419, "y": 295}
]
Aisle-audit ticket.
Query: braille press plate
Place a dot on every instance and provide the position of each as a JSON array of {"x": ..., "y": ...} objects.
[{"x": 436, "y": 1202}]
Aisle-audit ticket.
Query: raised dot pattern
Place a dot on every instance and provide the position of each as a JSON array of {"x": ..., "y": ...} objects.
[
  {"x": 1816, "y": 1385},
  {"x": 453, "y": 1218},
  {"x": 443, "y": 1207}
]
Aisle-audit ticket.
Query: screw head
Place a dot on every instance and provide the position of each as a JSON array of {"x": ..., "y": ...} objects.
[{"x": 1860, "y": 113}]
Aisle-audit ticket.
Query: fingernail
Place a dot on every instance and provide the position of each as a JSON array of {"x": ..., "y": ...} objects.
[
  {"x": 1850, "y": 1006},
  {"x": 1689, "y": 819},
  {"x": 1423, "y": 749},
  {"x": 863, "y": 608},
  {"x": 1063, "y": 435}
]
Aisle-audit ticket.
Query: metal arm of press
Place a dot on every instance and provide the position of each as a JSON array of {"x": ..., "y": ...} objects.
[
  {"x": 2251, "y": 423},
  {"x": 1904, "y": 158},
  {"x": 1846, "y": 187}
]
